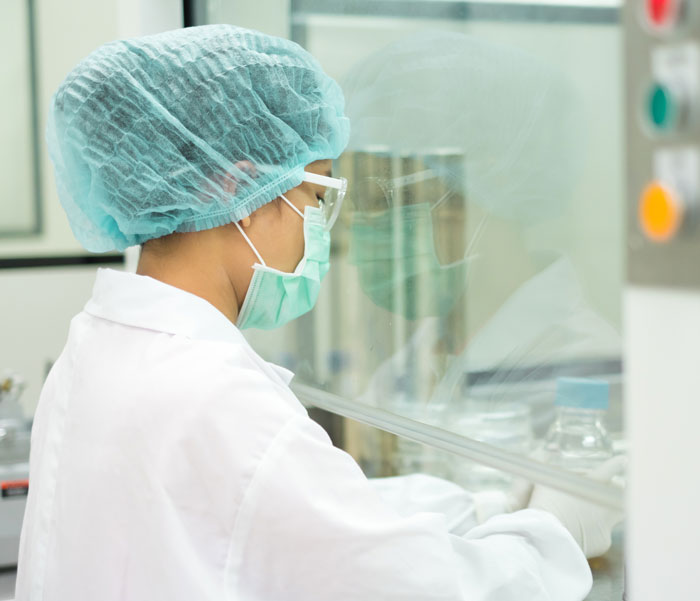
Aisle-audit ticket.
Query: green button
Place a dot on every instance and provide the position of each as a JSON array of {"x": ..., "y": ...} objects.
[{"x": 663, "y": 109}]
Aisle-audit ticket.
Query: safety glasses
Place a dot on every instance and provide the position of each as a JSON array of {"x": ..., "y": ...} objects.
[{"x": 333, "y": 197}]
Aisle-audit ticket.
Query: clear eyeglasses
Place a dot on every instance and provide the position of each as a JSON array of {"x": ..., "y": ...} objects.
[{"x": 336, "y": 187}]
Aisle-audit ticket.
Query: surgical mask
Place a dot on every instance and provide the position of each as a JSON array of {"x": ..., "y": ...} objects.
[
  {"x": 394, "y": 252},
  {"x": 275, "y": 297}
]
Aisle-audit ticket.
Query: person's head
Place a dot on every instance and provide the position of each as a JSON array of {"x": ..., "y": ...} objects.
[
  {"x": 190, "y": 141},
  {"x": 188, "y": 130}
]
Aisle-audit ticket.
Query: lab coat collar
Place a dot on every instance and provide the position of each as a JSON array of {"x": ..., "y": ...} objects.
[{"x": 144, "y": 302}]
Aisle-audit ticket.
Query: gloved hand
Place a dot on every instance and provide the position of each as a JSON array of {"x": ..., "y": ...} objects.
[
  {"x": 493, "y": 502},
  {"x": 589, "y": 523},
  {"x": 521, "y": 489}
]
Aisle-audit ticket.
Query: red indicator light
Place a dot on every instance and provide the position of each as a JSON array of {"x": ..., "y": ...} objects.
[{"x": 663, "y": 13}]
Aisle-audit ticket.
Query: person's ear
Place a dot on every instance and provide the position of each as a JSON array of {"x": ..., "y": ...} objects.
[
  {"x": 245, "y": 222},
  {"x": 229, "y": 183}
]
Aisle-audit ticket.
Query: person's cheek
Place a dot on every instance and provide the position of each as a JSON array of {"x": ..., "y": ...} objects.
[{"x": 295, "y": 249}]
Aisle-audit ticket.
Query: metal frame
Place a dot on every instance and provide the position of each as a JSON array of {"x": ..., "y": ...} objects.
[
  {"x": 601, "y": 12},
  {"x": 33, "y": 91},
  {"x": 596, "y": 12},
  {"x": 674, "y": 263}
]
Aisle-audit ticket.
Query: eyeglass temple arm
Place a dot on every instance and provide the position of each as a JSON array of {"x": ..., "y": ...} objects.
[{"x": 322, "y": 180}]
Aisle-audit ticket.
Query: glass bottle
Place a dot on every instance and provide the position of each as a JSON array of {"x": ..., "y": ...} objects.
[{"x": 578, "y": 439}]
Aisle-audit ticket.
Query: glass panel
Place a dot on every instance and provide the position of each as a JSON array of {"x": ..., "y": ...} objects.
[
  {"x": 478, "y": 259},
  {"x": 19, "y": 202}
]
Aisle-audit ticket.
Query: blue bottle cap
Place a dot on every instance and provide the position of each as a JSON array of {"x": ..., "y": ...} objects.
[{"x": 582, "y": 393}]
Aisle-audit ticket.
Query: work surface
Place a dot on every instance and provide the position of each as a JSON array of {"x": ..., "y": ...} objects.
[{"x": 608, "y": 571}]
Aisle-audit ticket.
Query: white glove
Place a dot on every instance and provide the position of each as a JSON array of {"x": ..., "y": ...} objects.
[
  {"x": 493, "y": 502},
  {"x": 589, "y": 523},
  {"x": 521, "y": 489}
]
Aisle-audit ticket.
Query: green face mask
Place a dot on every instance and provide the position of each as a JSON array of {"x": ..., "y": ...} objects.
[
  {"x": 395, "y": 256},
  {"x": 276, "y": 297}
]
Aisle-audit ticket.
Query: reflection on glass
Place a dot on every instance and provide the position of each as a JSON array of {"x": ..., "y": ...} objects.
[{"x": 393, "y": 243}]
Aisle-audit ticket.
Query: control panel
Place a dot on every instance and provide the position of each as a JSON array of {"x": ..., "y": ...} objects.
[{"x": 662, "y": 62}]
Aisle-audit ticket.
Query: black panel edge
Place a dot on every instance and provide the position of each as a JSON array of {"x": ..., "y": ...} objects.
[
  {"x": 34, "y": 90},
  {"x": 194, "y": 12},
  {"x": 188, "y": 13},
  {"x": 67, "y": 261}
]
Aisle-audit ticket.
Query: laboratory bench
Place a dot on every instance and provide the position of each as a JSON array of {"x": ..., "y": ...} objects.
[{"x": 608, "y": 571}]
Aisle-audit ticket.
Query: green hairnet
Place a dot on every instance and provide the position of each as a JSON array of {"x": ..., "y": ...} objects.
[{"x": 187, "y": 130}]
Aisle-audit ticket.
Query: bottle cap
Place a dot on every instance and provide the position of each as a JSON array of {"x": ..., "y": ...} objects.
[{"x": 582, "y": 393}]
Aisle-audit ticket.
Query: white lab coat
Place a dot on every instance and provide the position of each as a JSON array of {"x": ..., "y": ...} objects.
[{"x": 170, "y": 462}]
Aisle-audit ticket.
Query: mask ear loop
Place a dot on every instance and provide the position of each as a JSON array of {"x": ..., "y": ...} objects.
[
  {"x": 297, "y": 211},
  {"x": 257, "y": 254},
  {"x": 240, "y": 229}
]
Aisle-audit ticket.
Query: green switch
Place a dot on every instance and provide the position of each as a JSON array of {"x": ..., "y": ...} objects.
[{"x": 663, "y": 109}]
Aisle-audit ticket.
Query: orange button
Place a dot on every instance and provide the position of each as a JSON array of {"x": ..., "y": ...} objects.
[{"x": 661, "y": 212}]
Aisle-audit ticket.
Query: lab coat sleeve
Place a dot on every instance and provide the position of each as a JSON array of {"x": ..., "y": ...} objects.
[
  {"x": 311, "y": 527},
  {"x": 463, "y": 510},
  {"x": 421, "y": 493}
]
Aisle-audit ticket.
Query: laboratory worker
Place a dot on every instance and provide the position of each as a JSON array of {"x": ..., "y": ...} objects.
[{"x": 169, "y": 460}]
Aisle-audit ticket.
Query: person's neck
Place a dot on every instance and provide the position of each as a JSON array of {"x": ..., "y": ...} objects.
[{"x": 202, "y": 278}]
